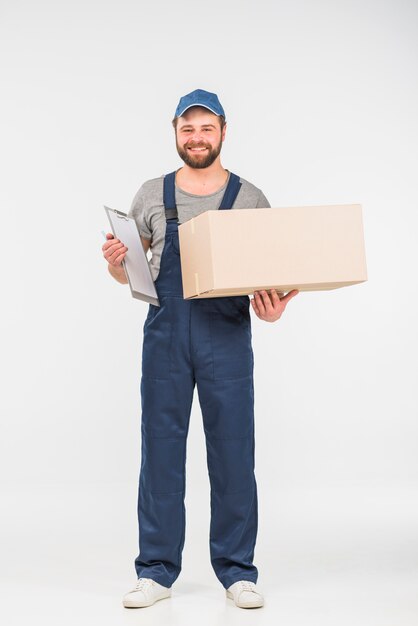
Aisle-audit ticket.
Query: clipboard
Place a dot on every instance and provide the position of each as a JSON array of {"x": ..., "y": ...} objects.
[{"x": 135, "y": 262}]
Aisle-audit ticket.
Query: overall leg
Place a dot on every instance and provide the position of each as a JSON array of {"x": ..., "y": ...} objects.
[
  {"x": 226, "y": 395},
  {"x": 167, "y": 386}
]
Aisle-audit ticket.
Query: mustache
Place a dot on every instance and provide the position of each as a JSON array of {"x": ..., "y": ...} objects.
[{"x": 195, "y": 145}]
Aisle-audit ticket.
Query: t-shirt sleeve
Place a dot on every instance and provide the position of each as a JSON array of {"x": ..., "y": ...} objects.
[
  {"x": 262, "y": 202},
  {"x": 138, "y": 212}
]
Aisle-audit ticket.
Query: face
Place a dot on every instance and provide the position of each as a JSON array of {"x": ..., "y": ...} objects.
[{"x": 199, "y": 137}]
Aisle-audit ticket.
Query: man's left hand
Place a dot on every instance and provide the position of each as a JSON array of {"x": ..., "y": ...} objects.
[{"x": 270, "y": 306}]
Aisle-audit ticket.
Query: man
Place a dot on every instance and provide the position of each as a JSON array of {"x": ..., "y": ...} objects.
[{"x": 186, "y": 342}]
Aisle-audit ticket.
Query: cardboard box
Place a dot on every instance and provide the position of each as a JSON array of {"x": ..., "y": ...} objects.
[{"x": 237, "y": 251}]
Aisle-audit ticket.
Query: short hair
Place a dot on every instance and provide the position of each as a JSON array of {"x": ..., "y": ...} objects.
[{"x": 221, "y": 118}]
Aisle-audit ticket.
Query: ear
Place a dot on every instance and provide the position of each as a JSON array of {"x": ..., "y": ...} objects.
[{"x": 223, "y": 132}]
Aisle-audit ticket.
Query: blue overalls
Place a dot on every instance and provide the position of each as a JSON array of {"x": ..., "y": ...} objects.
[{"x": 205, "y": 342}]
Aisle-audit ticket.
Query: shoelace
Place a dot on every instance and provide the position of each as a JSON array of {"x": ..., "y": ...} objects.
[
  {"x": 143, "y": 583},
  {"x": 247, "y": 585}
]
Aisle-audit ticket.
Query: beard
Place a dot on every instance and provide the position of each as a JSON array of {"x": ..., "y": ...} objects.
[{"x": 197, "y": 160}]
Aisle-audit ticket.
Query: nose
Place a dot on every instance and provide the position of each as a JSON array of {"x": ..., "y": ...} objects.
[{"x": 196, "y": 137}]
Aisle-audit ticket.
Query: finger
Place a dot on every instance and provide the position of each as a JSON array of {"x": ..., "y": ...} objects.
[
  {"x": 109, "y": 243},
  {"x": 119, "y": 259},
  {"x": 290, "y": 295},
  {"x": 113, "y": 248},
  {"x": 111, "y": 258},
  {"x": 116, "y": 254},
  {"x": 267, "y": 302},
  {"x": 275, "y": 297},
  {"x": 260, "y": 303},
  {"x": 254, "y": 305},
  {"x": 256, "y": 309}
]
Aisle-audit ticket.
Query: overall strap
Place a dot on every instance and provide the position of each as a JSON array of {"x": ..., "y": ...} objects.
[
  {"x": 231, "y": 192},
  {"x": 169, "y": 196}
]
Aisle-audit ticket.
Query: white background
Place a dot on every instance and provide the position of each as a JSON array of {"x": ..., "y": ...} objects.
[{"x": 321, "y": 99}]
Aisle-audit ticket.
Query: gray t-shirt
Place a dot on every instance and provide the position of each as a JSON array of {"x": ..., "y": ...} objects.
[{"x": 148, "y": 210}]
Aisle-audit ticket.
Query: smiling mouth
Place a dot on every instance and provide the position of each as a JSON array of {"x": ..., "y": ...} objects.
[{"x": 197, "y": 149}]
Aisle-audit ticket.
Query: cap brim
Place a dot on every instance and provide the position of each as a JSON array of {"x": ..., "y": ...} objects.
[{"x": 197, "y": 104}]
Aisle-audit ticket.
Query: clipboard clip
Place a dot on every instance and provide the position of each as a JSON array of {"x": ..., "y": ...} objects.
[{"x": 119, "y": 214}]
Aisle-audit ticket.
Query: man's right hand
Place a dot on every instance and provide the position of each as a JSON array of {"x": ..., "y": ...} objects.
[{"x": 114, "y": 252}]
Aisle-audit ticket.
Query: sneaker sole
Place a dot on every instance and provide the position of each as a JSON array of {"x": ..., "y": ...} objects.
[
  {"x": 249, "y": 605},
  {"x": 132, "y": 604}
]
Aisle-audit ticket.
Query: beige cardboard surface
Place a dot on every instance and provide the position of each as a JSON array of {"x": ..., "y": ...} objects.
[{"x": 238, "y": 251}]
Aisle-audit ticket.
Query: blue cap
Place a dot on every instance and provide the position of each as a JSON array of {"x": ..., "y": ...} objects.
[{"x": 200, "y": 97}]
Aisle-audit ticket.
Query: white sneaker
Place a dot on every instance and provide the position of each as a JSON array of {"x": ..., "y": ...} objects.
[
  {"x": 145, "y": 593},
  {"x": 245, "y": 594}
]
